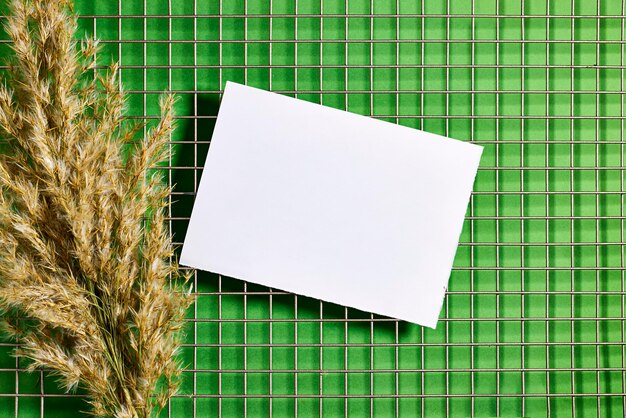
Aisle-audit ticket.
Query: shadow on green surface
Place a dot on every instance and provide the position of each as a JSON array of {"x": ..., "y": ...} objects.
[{"x": 189, "y": 159}]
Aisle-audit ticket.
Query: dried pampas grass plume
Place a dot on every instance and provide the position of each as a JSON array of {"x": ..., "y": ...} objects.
[{"x": 84, "y": 251}]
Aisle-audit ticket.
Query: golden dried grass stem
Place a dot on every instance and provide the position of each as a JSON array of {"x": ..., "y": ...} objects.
[{"x": 85, "y": 256}]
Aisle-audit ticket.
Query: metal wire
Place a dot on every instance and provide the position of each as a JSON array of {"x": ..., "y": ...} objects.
[{"x": 534, "y": 319}]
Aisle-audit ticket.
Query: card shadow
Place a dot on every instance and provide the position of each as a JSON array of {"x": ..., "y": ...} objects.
[{"x": 188, "y": 161}]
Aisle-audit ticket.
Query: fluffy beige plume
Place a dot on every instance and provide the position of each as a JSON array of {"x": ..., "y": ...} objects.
[{"x": 85, "y": 256}]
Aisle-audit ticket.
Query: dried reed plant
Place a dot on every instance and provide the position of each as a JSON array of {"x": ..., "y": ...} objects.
[{"x": 84, "y": 249}]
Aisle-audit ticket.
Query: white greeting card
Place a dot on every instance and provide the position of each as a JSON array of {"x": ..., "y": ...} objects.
[{"x": 330, "y": 204}]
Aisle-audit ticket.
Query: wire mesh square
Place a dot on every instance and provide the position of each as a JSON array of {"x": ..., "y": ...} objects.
[{"x": 533, "y": 323}]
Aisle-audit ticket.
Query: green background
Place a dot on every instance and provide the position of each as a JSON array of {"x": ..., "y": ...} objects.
[{"x": 534, "y": 318}]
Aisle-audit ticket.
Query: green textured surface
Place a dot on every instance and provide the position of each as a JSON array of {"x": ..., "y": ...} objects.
[{"x": 534, "y": 320}]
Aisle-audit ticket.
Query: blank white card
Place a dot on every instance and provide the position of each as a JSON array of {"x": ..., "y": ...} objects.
[{"x": 331, "y": 205}]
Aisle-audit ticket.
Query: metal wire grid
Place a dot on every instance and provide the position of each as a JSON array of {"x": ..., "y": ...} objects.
[{"x": 534, "y": 319}]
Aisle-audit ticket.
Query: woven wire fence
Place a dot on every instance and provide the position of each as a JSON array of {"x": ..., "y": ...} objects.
[{"x": 533, "y": 322}]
